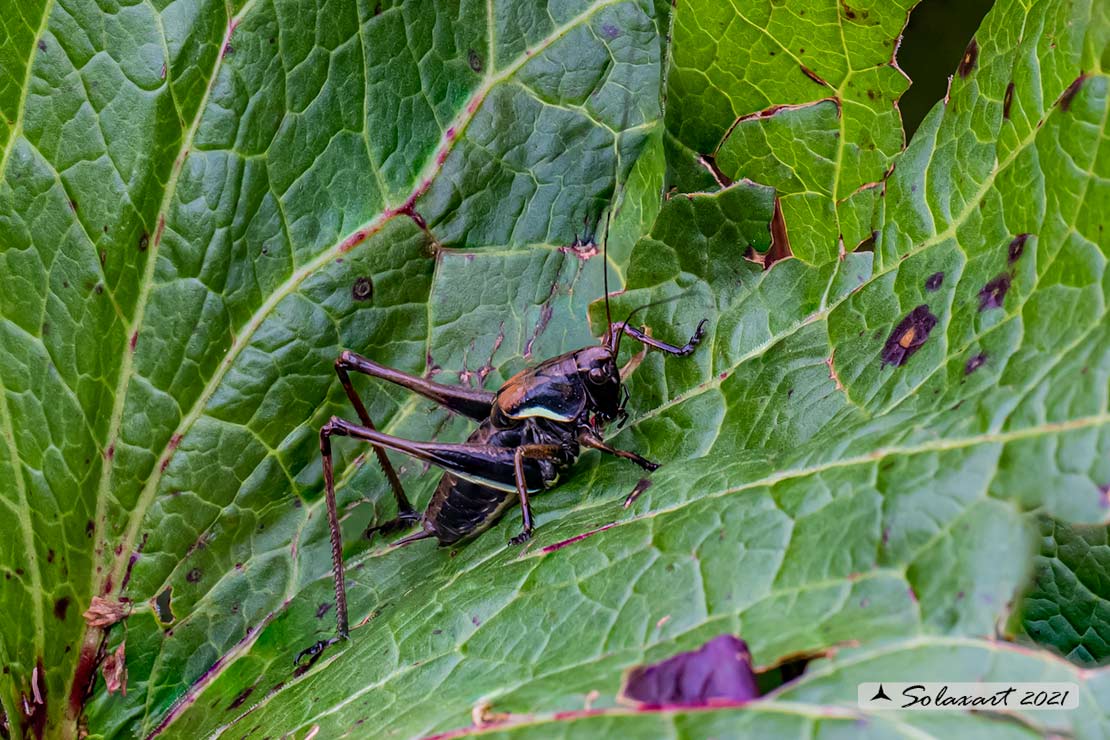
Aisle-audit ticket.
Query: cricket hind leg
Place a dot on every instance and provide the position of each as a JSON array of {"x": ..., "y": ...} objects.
[
  {"x": 503, "y": 468},
  {"x": 470, "y": 402},
  {"x": 404, "y": 506},
  {"x": 486, "y": 464},
  {"x": 474, "y": 403},
  {"x": 342, "y": 623},
  {"x": 342, "y": 626}
]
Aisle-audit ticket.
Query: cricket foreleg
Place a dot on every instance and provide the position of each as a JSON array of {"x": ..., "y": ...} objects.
[
  {"x": 640, "y": 336},
  {"x": 534, "y": 452},
  {"x": 590, "y": 440}
]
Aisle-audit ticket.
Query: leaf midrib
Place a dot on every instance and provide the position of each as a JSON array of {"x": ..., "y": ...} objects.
[
  {"x": 92, "y": 636},
  {"x": 8, "y": 432},
  {"x": 781, "y": 476},
  {"x": 872, "y": 457}
]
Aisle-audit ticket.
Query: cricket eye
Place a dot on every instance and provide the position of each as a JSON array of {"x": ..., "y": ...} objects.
[{"x": 597, "y": 375}]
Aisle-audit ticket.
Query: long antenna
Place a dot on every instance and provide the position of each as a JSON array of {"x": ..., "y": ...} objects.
[
  {"x": 620, "y": 332},
  {"x": 605, "y": 266}
]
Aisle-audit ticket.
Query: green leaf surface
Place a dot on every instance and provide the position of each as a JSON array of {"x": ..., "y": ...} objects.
[
  {"x": 799, "y": 96},
  {"x": 1067, "y": 607},
  {"x": 201, "y": 205},
  {"x": 822, "y": 703}
]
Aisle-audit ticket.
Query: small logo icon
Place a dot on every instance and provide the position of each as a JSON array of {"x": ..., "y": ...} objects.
[{"x": 880, "y": 694}]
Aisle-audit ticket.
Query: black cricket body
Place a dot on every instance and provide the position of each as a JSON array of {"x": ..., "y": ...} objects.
[
  {"x": 529, "y": 431},
  {"x": 544, "y": 406}
]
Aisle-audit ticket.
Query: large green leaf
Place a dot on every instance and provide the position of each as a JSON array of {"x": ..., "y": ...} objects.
[{"x": 196, "y": 197}]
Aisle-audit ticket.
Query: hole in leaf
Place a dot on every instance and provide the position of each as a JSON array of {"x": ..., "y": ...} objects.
[
  {"x": 934, "y": 42},
  {"x": 162, "y": 607}
]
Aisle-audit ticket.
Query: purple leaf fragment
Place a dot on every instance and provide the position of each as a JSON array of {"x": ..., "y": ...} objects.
[{"x": 718, "y": 671}]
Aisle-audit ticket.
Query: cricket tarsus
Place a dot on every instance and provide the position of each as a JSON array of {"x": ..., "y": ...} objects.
[
  {"x": 314, "y": 651},
  {"x": 529, "y": 431}
]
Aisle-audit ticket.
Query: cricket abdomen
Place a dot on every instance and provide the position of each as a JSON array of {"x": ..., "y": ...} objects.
[
  {"x": 461, "y": 508},
  {"x": 464, "y": 507}
]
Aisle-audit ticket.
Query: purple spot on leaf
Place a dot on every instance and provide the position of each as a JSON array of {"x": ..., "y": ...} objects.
[
  {"x": 908, "y": 336},
  {"x": 642, "y": 485},
  {"x": 994, "y": 293},
  {"x": 238, "y": 702},
  {"x": 474, "y": 60},
  {"x": 1069, "y": 94},
  {"x": 967, "y": 64},
  {"x": 974, "y": 363},
  {"x": 61, "y": 606},
  {"x": 1017, "y": 247}
]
